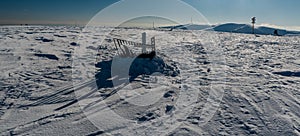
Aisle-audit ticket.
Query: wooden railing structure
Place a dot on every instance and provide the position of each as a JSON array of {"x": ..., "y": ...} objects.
[{"x": 121, "y": 45}]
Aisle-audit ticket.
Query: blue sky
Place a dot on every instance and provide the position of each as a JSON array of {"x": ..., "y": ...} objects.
[{"x": 268, "y": 12}]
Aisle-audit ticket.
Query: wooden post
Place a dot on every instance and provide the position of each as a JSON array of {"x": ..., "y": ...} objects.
[
  {"x": 144, "y": 42},
  {"x": 153, "y": 43}
]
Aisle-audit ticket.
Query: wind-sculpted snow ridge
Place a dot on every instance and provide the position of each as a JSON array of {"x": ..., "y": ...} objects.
[
  {"x": 288, "y": 73},
  {"x": 37, "y": 97},
  {"x": 32, "y": 71}
]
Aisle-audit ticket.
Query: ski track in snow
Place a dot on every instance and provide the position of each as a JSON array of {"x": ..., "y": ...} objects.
[{"x": 261, "y": 96}]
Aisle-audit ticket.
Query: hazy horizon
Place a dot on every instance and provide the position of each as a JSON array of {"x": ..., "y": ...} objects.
[{"x": 272, "y": 13}]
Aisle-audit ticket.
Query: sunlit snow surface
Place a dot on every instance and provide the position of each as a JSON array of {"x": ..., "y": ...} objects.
[{"x": 259, "y": 78}]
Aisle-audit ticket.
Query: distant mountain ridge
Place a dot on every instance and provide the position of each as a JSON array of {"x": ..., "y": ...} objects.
[
  {"x": 188, "y": 27},
  {"x": 233, "y": 28}
]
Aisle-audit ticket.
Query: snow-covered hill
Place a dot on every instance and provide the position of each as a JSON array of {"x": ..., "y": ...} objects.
[
  {"x": 234, "y": 28},
  {"x": 247, "y": 29},
  {"x": 188, "y": 27}
]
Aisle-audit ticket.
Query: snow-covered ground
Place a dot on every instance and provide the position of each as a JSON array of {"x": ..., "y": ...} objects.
[{"x": 60, "y": 80}]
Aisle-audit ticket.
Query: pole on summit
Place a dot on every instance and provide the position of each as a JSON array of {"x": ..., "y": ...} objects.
[{"x": 253, "y": 22}]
